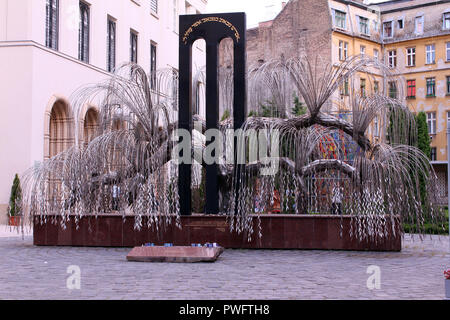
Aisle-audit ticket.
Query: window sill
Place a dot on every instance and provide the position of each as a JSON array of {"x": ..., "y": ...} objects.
[
  {"x": 154, "y": 14},
  {"x": 429, "y": 64},
  {"x": 427, "y": 96},
  {"x": 411, "y": 66},
  {"x": 411, "y": 98}
]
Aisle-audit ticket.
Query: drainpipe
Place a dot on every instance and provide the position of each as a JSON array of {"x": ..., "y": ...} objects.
[{"x": 448, "y": 172}]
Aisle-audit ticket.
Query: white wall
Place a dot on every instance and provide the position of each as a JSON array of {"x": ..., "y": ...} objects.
[{"x": 32, "y": 74}]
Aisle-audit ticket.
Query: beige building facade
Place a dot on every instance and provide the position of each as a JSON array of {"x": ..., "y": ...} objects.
[{"x": 410, "y": 36}]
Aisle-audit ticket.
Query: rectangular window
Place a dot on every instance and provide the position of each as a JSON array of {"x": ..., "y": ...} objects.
[
  {"x": 343, "y": 50},
  {"x": 83, "y": 34},
  {"x": 447, "y": 49},
  {"x": 418, "y": 25},
  {"x": 376, "y": 87},
  {"x": 392, "y": 58},
  {"x": 430, "y": 54},
  {"x": 387, "y": 30},
  {"x": 431, "y": 122},
  {"x": 340, "y": 19},
  {"x": 344, "y": 88},
  {"x": 411, "y": 57},
  {"x": 375, "y": 54},
  {"x": 411, "y": 89},
  {"x": 446, "y": 19},
  {"x": 376, "y": 130},
  {"x": 363, "y": 25},
  {"x": 448, "y": 85},
  {"x": 154, "y": 6},
  {"x": 433, "y": 154},
  {"x": 153, "y": 65},
  {"x": 392, "y": 90},
  {"x": 52, "y": 21},
  {"x": 133, "y": 46},
  {"x": 111, "y": 45},
  {"x": 175, "y": 15},
  {"x": 363, "y": 87},
  {"x": 362, "y": 50},
  {"x": 400, "y": 24},
  {"x": 431, "y": 87}
]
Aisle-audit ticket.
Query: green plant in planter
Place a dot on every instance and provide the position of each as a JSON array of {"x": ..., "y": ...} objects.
[{"x": 15, "y": 199}]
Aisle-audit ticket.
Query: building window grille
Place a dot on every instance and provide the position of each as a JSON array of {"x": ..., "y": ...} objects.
[
  {"x": 153, "y": 52},
  {"x": 111, "y": 45},
  {"x": 133, "y": 47},
  {"x": 52, "y": 21},
  {"x": 154, "y": 6},
  {"x": 83, "y": 42}
]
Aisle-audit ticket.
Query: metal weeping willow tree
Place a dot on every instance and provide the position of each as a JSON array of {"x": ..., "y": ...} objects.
[{"x": 326, "y": 157}]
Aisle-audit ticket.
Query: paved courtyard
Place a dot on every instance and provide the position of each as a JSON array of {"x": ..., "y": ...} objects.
[{"x": 29, "y": 272}]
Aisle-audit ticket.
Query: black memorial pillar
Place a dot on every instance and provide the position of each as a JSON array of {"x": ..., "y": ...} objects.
[{"x": 213, "y": 28}]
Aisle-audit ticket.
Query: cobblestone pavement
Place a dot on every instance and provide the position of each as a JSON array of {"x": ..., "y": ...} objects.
[{"x": 29, "y": 272}]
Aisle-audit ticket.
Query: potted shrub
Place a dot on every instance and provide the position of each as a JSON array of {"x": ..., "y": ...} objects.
[
  {"x": 447, "y": 283},
  {"x": 15, "y": 200}
]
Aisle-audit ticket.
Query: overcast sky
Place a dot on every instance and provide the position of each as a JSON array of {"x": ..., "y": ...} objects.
[{"x": 257, "y": 10}]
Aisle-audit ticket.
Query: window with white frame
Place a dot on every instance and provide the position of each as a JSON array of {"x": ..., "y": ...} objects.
[
  {"x": 343, "y": 50},
  {"x": 411, "y": 57},
  {"x": 446, "y": 21},
  {"x": 362, "y": 50},
  {"x": 340, "y": 19},
  {"x": 418, "y": 29},
  {"x": 375, "y": 54},
  {"x": 388, "y": 31},
  {"x": 431, "y": 122},
  {"x": 392, "y": 58},
  {"x": 448, "y": 116},
  {"x": 52, "y": 21},
  {"x": 430, "y": 54},
  {"x": 363, "y": 25},
  {"x": 447, "y": 51}
]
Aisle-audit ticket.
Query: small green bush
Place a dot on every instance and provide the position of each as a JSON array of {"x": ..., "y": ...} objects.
[{"x": 15, "y": 199}]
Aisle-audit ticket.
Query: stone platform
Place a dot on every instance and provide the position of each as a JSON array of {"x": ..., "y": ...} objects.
[
  {"x": 174, "y": 254},
  {"x": 278, "y": 232}
]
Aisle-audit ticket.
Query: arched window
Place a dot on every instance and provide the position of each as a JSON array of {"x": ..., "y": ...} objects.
[
  {"x": 60, "y": 129},
  {"x": 90, "y": 126}
]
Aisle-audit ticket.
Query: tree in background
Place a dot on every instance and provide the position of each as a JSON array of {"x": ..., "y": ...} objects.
[{"x": 423, "y": 143}]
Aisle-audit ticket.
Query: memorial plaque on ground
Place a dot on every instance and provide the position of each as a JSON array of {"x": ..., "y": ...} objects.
[{"x": 175, "y": 254}]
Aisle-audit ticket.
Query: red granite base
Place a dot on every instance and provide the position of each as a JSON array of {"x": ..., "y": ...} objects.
[
  {"x": 174, "y": 254},
  {"x": 278, "y": 232}
]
